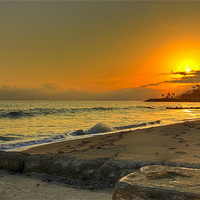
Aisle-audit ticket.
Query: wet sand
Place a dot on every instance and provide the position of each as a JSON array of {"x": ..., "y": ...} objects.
[{"x": 175, "y": 143}]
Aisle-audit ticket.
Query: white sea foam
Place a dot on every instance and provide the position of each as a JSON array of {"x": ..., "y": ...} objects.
[
  {"x": 100, "y": 128},
  {"x": 96, "y": 129}
]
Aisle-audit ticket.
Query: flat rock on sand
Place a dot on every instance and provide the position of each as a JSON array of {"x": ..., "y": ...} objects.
[{"x": 158, "y": 182}]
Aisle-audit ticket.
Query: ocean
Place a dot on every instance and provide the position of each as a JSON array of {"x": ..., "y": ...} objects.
[{"x": 27, "y": 123}]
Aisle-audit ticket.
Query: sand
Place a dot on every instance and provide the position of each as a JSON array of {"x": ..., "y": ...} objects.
[
  {"x": 176, "y": 143},
  {"x": 21, "y": 187},
  {"x": 179, "y": 143}
]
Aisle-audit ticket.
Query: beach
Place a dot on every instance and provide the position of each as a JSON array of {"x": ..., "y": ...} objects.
[
  {"x": 25, "y": 123},
  {"x": 14, "y": 186},
  {"x": 100, "y": 100},
  {"x": 173, "y": 143},
  {"x": 113, "y": 155}
]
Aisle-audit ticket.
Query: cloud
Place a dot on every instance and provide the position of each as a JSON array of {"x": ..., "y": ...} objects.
[
  {"x": 137, "y": 93},
  {"x": 152, "y": 84},
  {"x": 187, "y": 77},
  {"x": 191, "y": 77},
  {"x": 48, "y": 93},
  {"x": 52, "y": 92},
  {"x": 179, "y": 73},
  {"x": 50, "y": 86}
]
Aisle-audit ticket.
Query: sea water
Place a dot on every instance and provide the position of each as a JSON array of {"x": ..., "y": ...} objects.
[{"x": 27, "y": 123}]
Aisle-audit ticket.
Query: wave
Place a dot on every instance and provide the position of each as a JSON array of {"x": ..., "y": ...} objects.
[
  {"x": 15, "y": 114},
  {"x": 187, "y": 108},
  {"x": 15, "y": 145},
  {"x": 98, "y": 128},
  {"x": 137, "y": 125},
  {"x": 147, "y": 107},
  {"x": 6, "y": 138},
  {"x": 102, "y": 128}
]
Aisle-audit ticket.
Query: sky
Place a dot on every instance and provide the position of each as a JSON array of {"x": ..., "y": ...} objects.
[{"x": 98, "y": 50}]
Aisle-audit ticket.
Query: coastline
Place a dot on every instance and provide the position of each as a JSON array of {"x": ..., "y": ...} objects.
[
  {"x": 169, "y": 142},
  {"x": 99, "y": 162},
  {"x": 171, "y": 100},
  {"x": 22, "y": 146}
]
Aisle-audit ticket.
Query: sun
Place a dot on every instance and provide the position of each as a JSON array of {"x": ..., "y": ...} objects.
[
  {"x": 187, "y": 69},
  {"x": 187, "y": 65}
]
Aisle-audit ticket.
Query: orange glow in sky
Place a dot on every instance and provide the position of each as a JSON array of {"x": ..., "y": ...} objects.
[{"x": 99, "y": 46}]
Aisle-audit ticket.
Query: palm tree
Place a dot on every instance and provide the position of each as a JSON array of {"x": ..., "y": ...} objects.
[
  {"x": 162, "y": 95},
  {"x": 168, "y": 95}
]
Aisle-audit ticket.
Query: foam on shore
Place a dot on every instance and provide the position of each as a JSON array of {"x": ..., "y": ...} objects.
[{"x": 97, "y": 129}]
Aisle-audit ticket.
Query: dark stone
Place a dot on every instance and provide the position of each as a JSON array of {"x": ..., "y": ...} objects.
[
  {"x": 78, "y": 132},
  {"x": 12, "y": 160}
]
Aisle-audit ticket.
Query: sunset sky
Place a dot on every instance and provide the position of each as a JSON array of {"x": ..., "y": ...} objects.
[{"x": 93, "y": 50}]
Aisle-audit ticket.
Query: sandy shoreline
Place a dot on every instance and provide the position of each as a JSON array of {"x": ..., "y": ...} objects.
[
  {"x": 104, "y": 158},
  {"x": 177, "y": 142}
]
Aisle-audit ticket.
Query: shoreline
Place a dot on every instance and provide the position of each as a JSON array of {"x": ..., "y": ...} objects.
[
  {"x": 26, "y": 147},
  {"x": 177, "y": 137},
  {"x": 77, "y": 137},
  {"x": 99, "y": 162}
]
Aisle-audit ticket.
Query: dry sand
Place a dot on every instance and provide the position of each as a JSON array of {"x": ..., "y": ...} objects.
[
  {"x": 21, "y": 187},
  {"x": 177, "y": 143}
]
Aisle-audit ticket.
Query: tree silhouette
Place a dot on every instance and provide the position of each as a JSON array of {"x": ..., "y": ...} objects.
[{"x": 168, "y": 95}]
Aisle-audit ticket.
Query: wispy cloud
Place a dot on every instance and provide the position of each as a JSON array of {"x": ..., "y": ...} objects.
[
  {"x": 186, "y": 77},
  {"x": 190, "y": 77},
  {"x": 152, "y": 84}
]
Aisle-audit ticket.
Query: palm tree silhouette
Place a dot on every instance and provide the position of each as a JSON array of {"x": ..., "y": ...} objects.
[{"x": 168, "y": 95}]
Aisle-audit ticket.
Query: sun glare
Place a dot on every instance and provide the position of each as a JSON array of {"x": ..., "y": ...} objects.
[
  {"x": 187, "y": 69},
  {"x": 188, "y": 65}
]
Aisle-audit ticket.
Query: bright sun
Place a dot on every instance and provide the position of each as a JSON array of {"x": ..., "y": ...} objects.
[
  {"x": 187, "y": 69},
  {"x": 187, "y": 65}
]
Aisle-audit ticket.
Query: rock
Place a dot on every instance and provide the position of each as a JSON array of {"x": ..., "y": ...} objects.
[
  {"x": 158, "y": 182},
  {"x": 82, "y": 172},
  {"x": 78, "y": 132},
  {"x": 12, "y": 160}
]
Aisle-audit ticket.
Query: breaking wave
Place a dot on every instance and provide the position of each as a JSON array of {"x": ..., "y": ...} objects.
[
  {"x": 96, "y": 129},
  {"x": 102, "y": 128},
  {"x": 4, "y": 147},
  {"x": 15, "y": 114}
]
